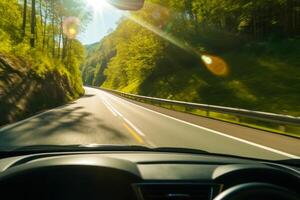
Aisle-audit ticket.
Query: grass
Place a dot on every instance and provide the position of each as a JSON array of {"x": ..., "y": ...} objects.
[{"x": 262, "y": 76}]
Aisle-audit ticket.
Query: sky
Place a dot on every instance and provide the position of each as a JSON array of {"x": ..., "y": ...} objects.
[{"x": 104, "y": 20}]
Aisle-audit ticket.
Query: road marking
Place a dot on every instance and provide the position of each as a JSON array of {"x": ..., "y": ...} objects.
[
  {"x": 109, "y": 108},
  {"x": 134, "y": 127},
  {"x": 207, "y": 129},
  {"x": 134, "y": 134},
  {"x": 113, "y": 108},
  {"x": 124, "y": 118}
]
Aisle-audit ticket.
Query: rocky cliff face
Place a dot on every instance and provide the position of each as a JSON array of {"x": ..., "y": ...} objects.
[{"x": 23, "y": 93}]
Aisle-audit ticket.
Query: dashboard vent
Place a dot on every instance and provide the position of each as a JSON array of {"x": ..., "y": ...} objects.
[{"x": 176, "y": 191}]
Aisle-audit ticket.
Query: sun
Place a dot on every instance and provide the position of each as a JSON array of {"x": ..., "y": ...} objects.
[{"x": 96, "y": 5}]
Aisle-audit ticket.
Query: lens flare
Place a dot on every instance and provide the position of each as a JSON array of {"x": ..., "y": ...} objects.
[
  {"x": 215, "y": 65},
  {"x": 96, "y": 5},
  {"x": 72, "y": 31},
  {"x": 160, "y": 25},
  {"x": 71, "y": 27},
  {"x": 206, "y": 59}
]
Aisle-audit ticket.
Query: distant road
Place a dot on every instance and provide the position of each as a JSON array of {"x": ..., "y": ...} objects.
[{"x": 103, "y": 118}]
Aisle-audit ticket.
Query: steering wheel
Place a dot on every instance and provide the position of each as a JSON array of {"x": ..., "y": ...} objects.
[{"x": 257, "y": 191}]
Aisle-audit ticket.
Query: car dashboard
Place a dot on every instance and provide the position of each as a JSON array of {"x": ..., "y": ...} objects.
[{"x": 135, "y": 175}]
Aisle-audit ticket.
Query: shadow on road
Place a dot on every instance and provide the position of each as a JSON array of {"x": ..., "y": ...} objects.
[
  {"x": 70, "y": 124},
  {"x": 88, "y": 95}
]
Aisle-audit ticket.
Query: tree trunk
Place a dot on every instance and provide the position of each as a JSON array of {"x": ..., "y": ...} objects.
[
  {"x": 41, "y": 19},
  {"x": 24, "y": 19},
  {"x": 45, "y": 25},
  {"x": 68, "y": 53},
  {"x": 188, "y": 9},
  {"x": 32, "y": 34},
  {"x": 60, "y": 37},
  {"x": 196, "y": 22},
  {"x": 64, "y": 50},
  {"x": 41, "y": 13},
  {"x": 53, "y": 29}
]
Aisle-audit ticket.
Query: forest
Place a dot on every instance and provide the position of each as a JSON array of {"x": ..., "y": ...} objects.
[
  {"x": 238, "y": 53},
  {"x": 40, "y": 56}
]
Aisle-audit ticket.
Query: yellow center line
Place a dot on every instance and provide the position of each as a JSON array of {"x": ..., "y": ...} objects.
[{"x": 134, "y": 134}]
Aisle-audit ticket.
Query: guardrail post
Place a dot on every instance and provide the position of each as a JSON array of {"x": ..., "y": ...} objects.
[
  {"x": 189, "y": 109},
  {"x": 207, "y": 113},
  {"x": 282, "y": 128}
]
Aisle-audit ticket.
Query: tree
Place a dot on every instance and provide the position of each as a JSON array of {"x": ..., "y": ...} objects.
[
  {"x": 24, "y": 19},
  {"x": 33, "y": 24},
  {"x": 45, "y": 23}
]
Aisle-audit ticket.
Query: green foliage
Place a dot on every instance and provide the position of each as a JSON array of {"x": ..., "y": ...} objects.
[
  {"x": 135, "y": 61},
  {"x": 10, "y": 18},
  {"x": 42, "y": 65},
  {"x": 52, "y": 49},
  {"x": 98, "y": 56},
  {"x": 46, "y": 74},
  {"x": 6, "y": 45},
  {"x": 157, "y": 52}
]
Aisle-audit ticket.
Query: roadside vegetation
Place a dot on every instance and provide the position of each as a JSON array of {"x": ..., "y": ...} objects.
[
  {"x": 39, "y": 57},
  {"x": 242, "y": 54}
]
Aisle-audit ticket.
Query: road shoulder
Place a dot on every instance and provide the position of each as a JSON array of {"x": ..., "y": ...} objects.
[{"x": 260, "y": 137}]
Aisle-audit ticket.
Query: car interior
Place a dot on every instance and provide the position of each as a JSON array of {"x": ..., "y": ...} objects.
[
  {"x": 140, "y": 173},
  {"x": 145, "y": 175}
]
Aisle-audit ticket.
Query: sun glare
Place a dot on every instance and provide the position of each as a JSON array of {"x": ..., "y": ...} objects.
[{"x": 96, "y": 4}]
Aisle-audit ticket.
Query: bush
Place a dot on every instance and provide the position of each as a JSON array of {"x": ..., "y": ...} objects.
[{"x": 5, "y": 46}]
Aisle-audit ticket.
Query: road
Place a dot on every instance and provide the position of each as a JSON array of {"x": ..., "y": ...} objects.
[{"x": 103, "y": 118}]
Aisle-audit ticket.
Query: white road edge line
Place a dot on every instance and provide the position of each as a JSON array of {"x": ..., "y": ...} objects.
[
  {"x": 207, "y": 129},
  {"x": 108, "y": 107},
  {"x": 113, "y": 108}
]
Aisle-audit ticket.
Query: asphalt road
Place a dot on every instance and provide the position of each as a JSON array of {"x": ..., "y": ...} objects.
[{"x": 102, "y": 118}]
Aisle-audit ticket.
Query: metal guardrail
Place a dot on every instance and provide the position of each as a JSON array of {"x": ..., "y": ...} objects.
[{"x": 263, "y": 116}]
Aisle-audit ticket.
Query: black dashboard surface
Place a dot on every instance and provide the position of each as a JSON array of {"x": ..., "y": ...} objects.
[{"x": 134, "y": 175}]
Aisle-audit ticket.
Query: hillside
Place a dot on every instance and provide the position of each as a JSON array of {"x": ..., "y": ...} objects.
[
  {"x": 238, "y": 64},
  {"x": 39, "y": 56},
  {"x": 25, "y": 92}
]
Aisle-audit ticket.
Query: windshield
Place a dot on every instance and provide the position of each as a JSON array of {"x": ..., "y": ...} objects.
[{"x": 220, "y": 76}]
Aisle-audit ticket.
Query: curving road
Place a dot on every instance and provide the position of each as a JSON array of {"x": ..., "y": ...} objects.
[{"x": 103, "y": 118}]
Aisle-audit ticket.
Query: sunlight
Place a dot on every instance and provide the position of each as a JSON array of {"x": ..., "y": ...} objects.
[
  {"x": 71, "y": 26},
  {"x": 159, "y": 25},
  {"x": 97, "y": 5},
  {"x": 206, "y": 59},
  {"x": 72, "y": 31},
  {"x": 160, "y": 14}
]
